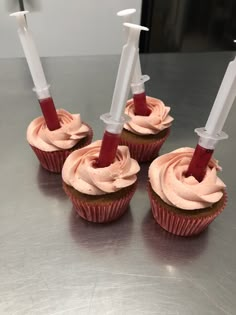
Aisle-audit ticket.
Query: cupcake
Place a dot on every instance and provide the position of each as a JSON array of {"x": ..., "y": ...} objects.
[
  {"x": 53, "y": 147},
  {"x": 100, "y": 194},
  {"x": 182, "y": 205},
  {"x": 144, "y": 135}
]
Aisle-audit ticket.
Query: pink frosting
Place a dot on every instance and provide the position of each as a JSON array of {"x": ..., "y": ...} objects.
[
  {"x": 78, "y": 171},
  {"x": 158, "y": 120},
  {"x": 166, "y": 174},
  {"x": 71, "y": 131}
]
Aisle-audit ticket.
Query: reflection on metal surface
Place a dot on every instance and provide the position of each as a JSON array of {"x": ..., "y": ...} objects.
[
  {"x": 101, "y": 238},
  {"x": 170, "y": 249},
  {"x": 50, "y": 184},
  {"x": 170, "y": 268},
  {"x": 52, "y": 261}
]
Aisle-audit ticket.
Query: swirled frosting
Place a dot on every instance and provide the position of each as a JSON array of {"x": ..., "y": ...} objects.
[
  {"x": 79, "y": 171},
  {"x": 158, "y": 120},
  {"x": 71, "y": 131},
  {"x": 166, "y": 174}
]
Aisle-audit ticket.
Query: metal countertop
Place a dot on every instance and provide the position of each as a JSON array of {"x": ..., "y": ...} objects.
[{"x": 52, "y": 261}]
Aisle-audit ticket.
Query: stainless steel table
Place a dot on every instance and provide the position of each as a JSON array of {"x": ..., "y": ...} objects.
[{"x": 53, "y": 262}]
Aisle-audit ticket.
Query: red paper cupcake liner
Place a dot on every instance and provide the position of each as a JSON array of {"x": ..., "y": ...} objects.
[
  {"x": 54, "y": 161},
  {"x": 104, "y": 212},
  {"x": 179, "y": 224},
  {"x": 144, "y": 152}
]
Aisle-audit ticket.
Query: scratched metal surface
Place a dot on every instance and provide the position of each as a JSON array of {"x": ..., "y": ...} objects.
[{"x": 51, "y": 261}]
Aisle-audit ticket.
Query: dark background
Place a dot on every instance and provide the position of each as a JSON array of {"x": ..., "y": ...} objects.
[{"x": 188, "y": 25}]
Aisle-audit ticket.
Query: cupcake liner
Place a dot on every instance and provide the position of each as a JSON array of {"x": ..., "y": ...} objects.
[
  {"x": 54, "y": 161},
  {"x": 103, "y": 212},
  {"x": 179, "y": 224},
  {"x": 144, "y": 152}
]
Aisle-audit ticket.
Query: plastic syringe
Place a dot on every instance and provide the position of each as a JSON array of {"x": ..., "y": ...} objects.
[
  {"x": 212, "y": 133},
  {"x": 138, "y": 80},
  {"x": 115, "y": 120},
  {"x": 41, "y": 86}
]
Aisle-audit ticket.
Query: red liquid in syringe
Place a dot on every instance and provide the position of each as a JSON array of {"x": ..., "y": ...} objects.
[
  {"x": 140, "y": 105},
  {"x": 198, "y": 165},
  {"x": 108, "y": 150},
  {"x": 49, "y": 113}
]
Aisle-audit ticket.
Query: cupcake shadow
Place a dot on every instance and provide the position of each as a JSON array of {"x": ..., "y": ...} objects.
[
  {"x": 50, "y": 184},
  {"x": 143, "y": 176},
  {"x": 102, "y": 237},
  {"x": 169, "y": 248}
]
